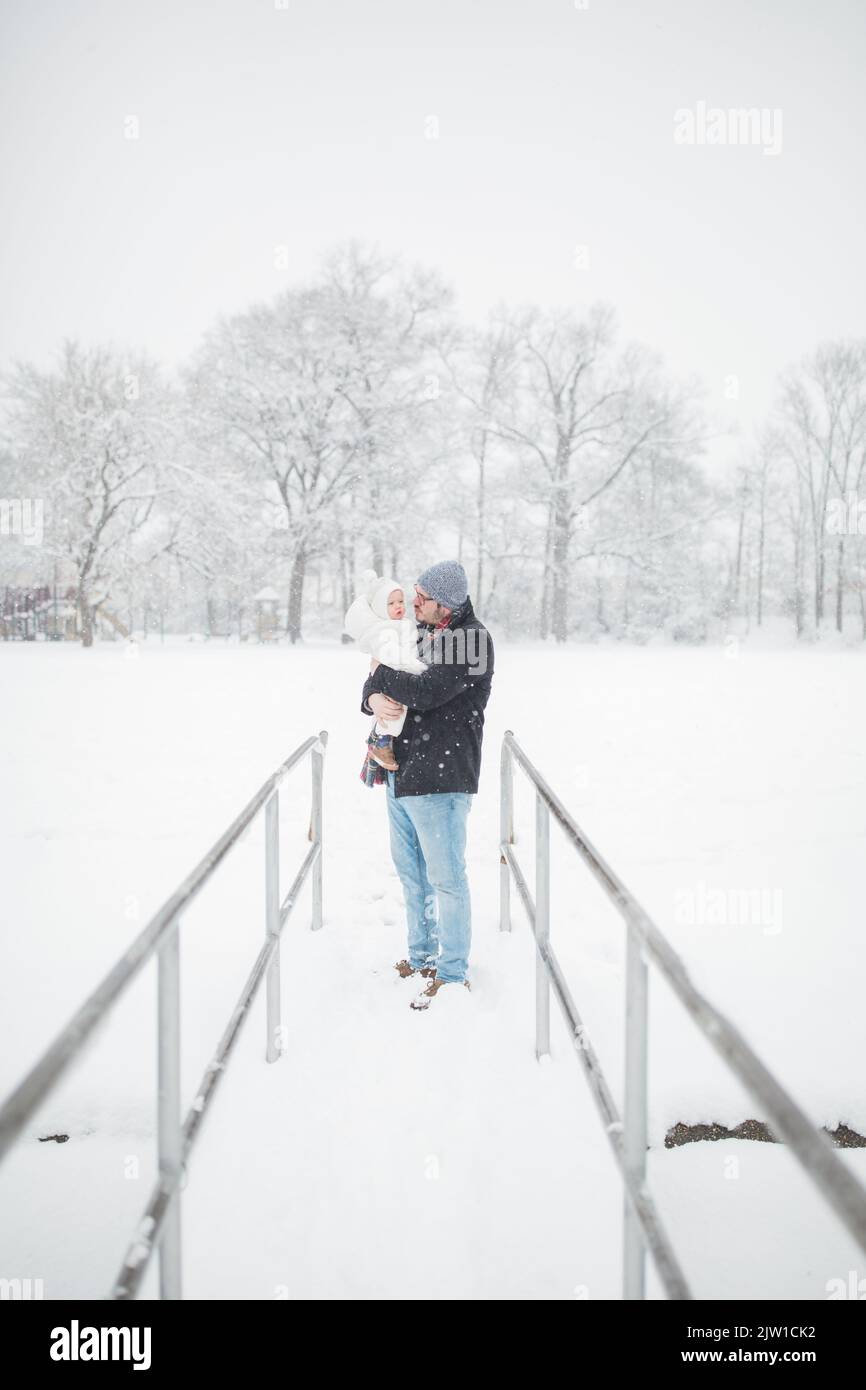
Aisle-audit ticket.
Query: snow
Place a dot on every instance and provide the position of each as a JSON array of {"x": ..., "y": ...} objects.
[{"x": 391, "y": 1153}]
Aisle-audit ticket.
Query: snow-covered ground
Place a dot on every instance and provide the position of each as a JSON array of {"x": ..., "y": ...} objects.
[{"x": 395, "y": 1154}]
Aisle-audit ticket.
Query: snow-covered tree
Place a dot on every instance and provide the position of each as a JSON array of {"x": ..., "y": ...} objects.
[
  {"x": 821, "y": 422},
  {"x": 90, "y": 437}
]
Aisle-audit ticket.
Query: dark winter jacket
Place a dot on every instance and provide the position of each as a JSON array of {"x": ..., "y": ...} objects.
[{"x": 439, "y": 746}]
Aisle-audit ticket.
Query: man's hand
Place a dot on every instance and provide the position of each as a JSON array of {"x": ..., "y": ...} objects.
[{"x": 384, "y": 707}]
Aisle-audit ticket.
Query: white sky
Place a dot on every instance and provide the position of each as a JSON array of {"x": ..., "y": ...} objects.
[{"x": 301, "y": 126}]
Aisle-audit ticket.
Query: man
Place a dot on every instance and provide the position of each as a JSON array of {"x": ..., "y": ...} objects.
[{"x": 438, "y": 755}]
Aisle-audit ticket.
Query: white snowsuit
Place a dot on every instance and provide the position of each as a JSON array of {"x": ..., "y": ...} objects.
[{"x": 393, "y": 641}]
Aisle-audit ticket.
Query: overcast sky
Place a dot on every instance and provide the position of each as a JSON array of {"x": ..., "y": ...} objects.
[{"x": 262, "y": 126}]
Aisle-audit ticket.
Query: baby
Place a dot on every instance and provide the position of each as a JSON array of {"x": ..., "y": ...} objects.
[{"x": 378, "y": 622}]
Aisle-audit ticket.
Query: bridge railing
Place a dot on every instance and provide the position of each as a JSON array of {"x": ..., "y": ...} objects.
[
  {"x": 160, "y": 1224},
  {"x": 642, "y": 1226}
]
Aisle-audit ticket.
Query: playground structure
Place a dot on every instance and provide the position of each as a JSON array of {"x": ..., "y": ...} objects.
[
  {"x": 50, "y": 613},
  {"x": 267, "y": 615}
]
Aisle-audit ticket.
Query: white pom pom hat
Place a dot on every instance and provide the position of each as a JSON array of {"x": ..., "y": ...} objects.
[{"x": 378, "y": 591}]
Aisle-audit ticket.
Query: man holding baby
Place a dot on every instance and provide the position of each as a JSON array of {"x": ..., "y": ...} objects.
[{"x": 438, "y": 757}]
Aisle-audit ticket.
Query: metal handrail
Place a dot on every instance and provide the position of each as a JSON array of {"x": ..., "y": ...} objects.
[
  {"x": 160, "y": 1223},
  {"x": 643, "y": 1228}
]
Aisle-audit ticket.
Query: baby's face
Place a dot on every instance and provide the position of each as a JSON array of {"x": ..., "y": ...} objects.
[{"x": 396, "y": 606}]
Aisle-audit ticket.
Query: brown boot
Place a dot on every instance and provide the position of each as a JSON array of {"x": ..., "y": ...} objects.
[
  {"x": 384, "y": 757},
  {"x": 404, "y": 970},
  {"x": 426, "y": 997}
]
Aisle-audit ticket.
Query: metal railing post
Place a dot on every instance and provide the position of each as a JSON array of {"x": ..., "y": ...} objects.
[
  {"x": 542, "y": 926},
  {"x": 506, "y": 832},
  {"x": 317, "y": 759},
  {"x": 272, "y": 922},
  {"x": 634, "y": 1113},
  {"x": 643, "y": 1229},
  {"x": 168, "y": 1106},
  {"x": 160, "y": 1225}
]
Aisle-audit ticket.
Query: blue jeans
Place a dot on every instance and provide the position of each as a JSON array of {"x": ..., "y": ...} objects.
[{"x": 428, "y": 840}]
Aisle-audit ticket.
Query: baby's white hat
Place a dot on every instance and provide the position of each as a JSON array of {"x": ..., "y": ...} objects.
[{"x": 377, "y": 590}]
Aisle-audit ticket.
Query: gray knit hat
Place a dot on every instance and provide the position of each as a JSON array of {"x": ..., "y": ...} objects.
[{"x": 446, "y": 582}]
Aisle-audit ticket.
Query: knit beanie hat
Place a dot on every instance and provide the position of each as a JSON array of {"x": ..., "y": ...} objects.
[
  {"x": 377, "y": 591},
  {"x": 446, "y": 582}
]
